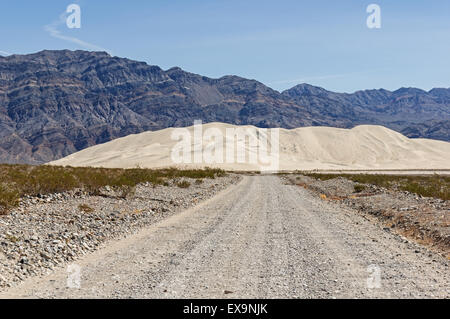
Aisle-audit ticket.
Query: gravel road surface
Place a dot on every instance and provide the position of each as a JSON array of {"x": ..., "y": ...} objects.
[{"x": 257, "y": 239}]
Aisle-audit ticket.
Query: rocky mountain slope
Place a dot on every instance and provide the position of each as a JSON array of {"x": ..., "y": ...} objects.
[{"x": 54, "y": 103}]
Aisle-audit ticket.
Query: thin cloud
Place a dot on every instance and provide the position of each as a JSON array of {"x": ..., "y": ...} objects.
[
  {"x": 52, "y": 29},
  {"x": 5, "y": 53}
]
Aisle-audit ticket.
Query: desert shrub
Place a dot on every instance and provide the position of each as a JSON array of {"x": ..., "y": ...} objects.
[
  {"x": 85, "y": 208},
  {"x": 359, "y": 188},
  {"x": 20, "y": 180},
  {"x": 183, "y": 184},
  {"x": 437, "y": 186},
  {"x": 8, "y": 198}
]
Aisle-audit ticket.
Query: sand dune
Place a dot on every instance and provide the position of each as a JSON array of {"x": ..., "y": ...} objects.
[{"x": 326, "y": 148}]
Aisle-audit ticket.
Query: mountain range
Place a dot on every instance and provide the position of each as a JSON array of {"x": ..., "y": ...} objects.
[{"x": 54, "y": 103}]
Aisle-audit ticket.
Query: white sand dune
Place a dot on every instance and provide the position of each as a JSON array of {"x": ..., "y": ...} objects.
[{"x": 365, "y": 147}]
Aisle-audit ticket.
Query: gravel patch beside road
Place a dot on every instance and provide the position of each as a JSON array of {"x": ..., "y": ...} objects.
[
  {"x": 56, "y": 229},
  {"x": 257, "y": 239},
  {"x": 423, "y": 219}
]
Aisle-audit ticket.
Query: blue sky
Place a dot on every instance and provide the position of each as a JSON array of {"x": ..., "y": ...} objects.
[{"x": 280, "y": 43}]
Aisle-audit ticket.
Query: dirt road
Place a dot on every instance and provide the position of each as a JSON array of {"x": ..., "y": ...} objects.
[{"x": 259, "y": 238}]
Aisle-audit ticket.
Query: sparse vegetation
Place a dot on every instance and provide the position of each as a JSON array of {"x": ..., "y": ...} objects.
[
  {"x": 20, "y": 180},
  {"x": 184, "y": 184},
  {"x": 85, "y": 208},
  {"x": 8, "y": 198},
  {"x": 12, "y": 238},
  {"x": 437, "y": 186},
  {"x": 359, "y": 188}
]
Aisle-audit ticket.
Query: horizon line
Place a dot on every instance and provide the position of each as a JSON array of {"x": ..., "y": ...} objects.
[{"x": 228, "y": 75}]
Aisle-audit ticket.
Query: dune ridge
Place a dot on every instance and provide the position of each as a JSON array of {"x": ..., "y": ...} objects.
[{"x": 307, "y": 148}]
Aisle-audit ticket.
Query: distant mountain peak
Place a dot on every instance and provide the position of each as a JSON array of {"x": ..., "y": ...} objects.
[
  {"x": 304, "y": 89},
  {"x": 409, "y": 90}
]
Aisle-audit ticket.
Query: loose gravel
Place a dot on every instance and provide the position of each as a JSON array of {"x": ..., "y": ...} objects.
[
  {"x": 260, "y": 238},
  {"x": 423, "y": 219},
  {"x": 51, "y": 230}
]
